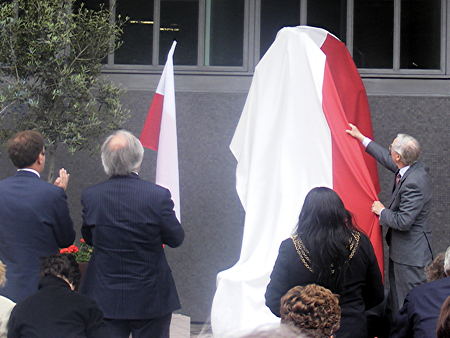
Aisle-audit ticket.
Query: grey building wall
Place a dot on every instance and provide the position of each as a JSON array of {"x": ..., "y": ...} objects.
[{"x": 210, "y": 209}]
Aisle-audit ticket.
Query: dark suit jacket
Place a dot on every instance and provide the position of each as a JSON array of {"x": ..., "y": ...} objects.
[
  {"x": 55, "y": 311},
  {"x": 34, "y": 223},
  {"x": 418, "y": 316},
  {"x": 407, "y": 212},
  {"x": 362, "y": 289},
  {"x": 127, "y": 220}
]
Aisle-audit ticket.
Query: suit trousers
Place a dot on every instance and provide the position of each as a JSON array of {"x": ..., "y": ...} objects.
[
  {"x": 402, "y": 278},
  {"x": 139, "y": 328}
]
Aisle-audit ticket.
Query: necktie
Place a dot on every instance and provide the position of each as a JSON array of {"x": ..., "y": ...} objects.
[{"x": 398, "y": 177}]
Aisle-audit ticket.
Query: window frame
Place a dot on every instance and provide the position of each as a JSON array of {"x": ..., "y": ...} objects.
[
  {"x": 251, "y": 45},
  {"x": 247, "y": 57}
]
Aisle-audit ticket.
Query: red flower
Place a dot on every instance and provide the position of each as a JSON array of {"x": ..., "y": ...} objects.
[
  {"x": 73, "y": 248},
  {"x": 82, "y": 240},
  {"x": 64, "y": 250}
]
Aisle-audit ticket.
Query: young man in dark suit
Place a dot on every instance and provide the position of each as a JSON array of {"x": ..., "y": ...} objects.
[
  {"x": 34, "y": 215},
  {"x": 406, "y": 216},
  {"x": 128, "y": 220}
]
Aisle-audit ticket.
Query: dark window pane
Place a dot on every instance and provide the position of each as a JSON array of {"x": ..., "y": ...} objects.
[
  {"x": 179, "y": 21},
  {"x": 373, "y": 33},
  {"x": 91, "y": 4},
  {"x": 330, "y": 15},
  {"x": 137, "y": 32},
  {"x": 276, "y": 14},
  {"x": 420, "y": 42},
  {"x": 225, "y": 40}
]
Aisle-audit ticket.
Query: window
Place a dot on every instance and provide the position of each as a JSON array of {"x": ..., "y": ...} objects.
[
  {"x": 210, "y": 33},
  {"x": 179, "y": 21},
  {"x": 137, "y": 36},
  {"x": 386, "y": 37},
  {"x": 274, "y": 17},
  {"x": 330, "y": 15},
  {"x": 373, "y": 34},
  {"x": 420, "y": 39},
  {"x": 224, "y": 36},
  {"x": 391, "y": 37}
]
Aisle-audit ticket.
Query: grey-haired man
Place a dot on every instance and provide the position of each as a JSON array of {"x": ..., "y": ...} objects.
[{"x": 406, "y": 215}]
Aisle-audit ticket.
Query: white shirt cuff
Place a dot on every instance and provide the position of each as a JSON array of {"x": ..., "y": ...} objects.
[{"x": 366, "y": 141}]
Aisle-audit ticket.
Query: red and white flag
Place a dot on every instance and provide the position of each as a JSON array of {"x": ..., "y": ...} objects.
[
  {"x": 160, "y": 132},
  {"x": 291, "y": 138}
]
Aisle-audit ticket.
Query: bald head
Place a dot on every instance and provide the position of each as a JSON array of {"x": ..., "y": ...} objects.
[
  {"x": 122, "y": 153},
  {"x": 117, "y": 141}
]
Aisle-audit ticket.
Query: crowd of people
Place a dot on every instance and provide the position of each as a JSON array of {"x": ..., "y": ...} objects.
[
  {"x": 325, "y": 279},
  {"x": 128, "y": 287},
  {"x": 328, "y": 249}
]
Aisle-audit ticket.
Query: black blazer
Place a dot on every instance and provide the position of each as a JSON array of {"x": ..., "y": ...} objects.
[
  {"x": 128, "y": 220},
  {"x": 362, "y": 289},
  {"x": 34, "y": 223},
  {"x": 55, "y": 311},
  {"x": 420, "y": 311}
]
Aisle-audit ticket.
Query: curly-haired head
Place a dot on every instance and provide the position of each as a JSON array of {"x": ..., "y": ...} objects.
[
  {"x": 312, "y": 308},
  {"x": 435, "y": 270},
  {"x": 63, "y": 266}
]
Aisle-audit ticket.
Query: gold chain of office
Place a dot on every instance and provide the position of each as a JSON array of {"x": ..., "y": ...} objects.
[{"x": 303, "y": 252}]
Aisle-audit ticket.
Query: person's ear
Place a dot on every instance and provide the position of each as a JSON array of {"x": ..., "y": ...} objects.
[{"x": 41, "y": 158}]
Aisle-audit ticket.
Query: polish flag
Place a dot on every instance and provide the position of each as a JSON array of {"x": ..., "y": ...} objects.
[
  {"x": 160, "y": 132},
  {"x": 291, "y": 138}
]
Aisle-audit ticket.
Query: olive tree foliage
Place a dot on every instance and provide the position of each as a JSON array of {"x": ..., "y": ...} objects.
[{"x": 50, "y": 73}]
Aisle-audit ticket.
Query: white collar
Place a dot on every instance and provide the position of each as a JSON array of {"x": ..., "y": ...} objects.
[
  {"x": 402, "y": 171},
  {"x": 30, "y": 170}
]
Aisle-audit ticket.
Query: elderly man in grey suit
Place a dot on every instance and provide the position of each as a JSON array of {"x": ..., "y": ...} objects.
[{"x": 406, "y": 215}]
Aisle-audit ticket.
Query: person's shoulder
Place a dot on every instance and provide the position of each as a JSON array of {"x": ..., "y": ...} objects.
[
  {"x": 156, "y": 189},
  {"x": 81, "y": 300},
  {"x": 96, "y": 187},
  {"x": 434, "y": 287},
  {"x": 363, "y": 238},
  {"x": 47, "y": 189},
  {"x": 287, "y": 247},
  {"x": 364, "y": 244},
  {"x": 4, "y": 182},
  {"x": 419, "y": 168},
  {"x": 287, "y": 242}
]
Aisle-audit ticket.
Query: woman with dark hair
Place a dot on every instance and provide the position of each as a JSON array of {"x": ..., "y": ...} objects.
[
  {"x": 327, "y": 249},
  {"x": 56, "y": 310}
]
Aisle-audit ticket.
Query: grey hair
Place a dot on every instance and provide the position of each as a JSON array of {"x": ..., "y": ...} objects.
[
  {"x": 2, "y": 274},
  {"x": 124, "y": 158},
  {"x": 407, "y": 147},
  {"x": 447, "y": 262}
]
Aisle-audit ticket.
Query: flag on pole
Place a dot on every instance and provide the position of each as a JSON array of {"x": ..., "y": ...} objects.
[
  {"x": 160, "y": 132},
  {"x": 291, "y": 138}
]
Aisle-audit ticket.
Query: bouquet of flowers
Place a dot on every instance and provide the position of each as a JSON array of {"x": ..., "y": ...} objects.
[{"x": 82, "y": 252}]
